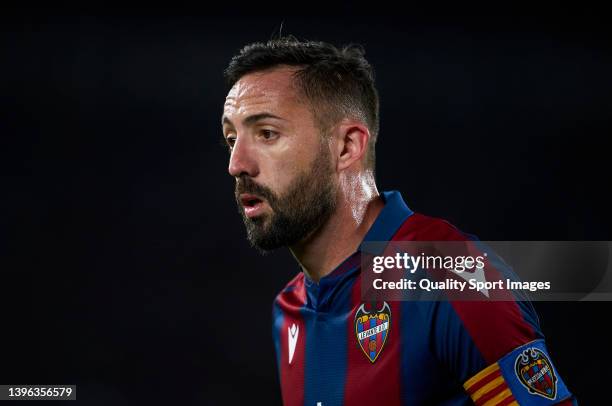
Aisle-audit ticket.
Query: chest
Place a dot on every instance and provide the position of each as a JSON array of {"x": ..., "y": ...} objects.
[{"x": 340, "y": 358}]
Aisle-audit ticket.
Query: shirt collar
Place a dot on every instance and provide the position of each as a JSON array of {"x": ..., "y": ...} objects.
[{"x": 389, "y": 220}]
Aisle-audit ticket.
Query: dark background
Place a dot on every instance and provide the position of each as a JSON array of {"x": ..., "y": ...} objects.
[{"x": 124, "y": 265}]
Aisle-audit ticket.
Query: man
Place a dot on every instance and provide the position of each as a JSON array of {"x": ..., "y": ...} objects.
[{"x": 301, "y": 124}]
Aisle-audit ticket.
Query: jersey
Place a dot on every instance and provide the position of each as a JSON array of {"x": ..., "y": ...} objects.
[{"x": 333, "y": 349}]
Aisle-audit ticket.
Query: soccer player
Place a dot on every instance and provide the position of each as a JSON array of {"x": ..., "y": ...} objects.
[{"x": 301, "y": 123}]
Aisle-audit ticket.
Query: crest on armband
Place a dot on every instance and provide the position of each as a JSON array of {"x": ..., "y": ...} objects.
[{"x": 535, "y": 371}]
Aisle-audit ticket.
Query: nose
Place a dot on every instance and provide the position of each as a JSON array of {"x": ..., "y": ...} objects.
[{"x": 243, "y": 159}]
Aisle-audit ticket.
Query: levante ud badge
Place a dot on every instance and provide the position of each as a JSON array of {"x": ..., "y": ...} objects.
[
  {"x": 372, "y": 324},
  {"x": 536, "y": 373}
]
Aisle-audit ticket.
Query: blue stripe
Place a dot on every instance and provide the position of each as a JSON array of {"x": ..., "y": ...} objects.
[
  {"x": 326, "y": 351},
  {"x": 277, "y": 323},
  {"x": 390, "y": 218},
  {"x": 436, "y": 327}
]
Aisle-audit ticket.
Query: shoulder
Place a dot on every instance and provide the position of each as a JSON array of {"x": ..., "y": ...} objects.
[
  {"x": 293, "y": 294},
  {"x": 419, "y": 227},
  {"x": 492, "y": 327}
]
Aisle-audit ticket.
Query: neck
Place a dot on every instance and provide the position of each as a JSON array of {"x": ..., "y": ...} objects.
[{"x": 358, "y": 206}]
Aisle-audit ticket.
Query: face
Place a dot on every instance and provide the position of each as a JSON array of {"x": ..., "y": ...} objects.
[{"x": 285, "y": 184}]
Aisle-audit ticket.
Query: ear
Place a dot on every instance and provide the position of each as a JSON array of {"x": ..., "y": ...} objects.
[{"x": 353, "y": 137}]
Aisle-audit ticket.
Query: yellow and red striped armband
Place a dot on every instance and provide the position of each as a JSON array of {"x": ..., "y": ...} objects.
[
  {"x": 489, "y": 388},
  {"x": 525, "y": 376}
]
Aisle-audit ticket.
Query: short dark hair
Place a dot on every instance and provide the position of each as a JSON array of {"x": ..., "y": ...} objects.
[{"x": 337, "y": 82}]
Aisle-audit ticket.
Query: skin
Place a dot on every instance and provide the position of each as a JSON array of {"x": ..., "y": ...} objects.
[{"x": 274, "y": 150}]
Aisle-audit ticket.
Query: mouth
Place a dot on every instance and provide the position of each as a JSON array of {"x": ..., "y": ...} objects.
[{"x": 253, "y": 205}]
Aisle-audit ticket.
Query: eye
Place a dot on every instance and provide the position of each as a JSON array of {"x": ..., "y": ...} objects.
[
  {"x": 268, "y": 134},
  {"x": 230, "y": 140}
]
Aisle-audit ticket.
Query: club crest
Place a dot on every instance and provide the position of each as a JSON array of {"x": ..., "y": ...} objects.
[
  {"x": 536, "y": 373},
  {"x": 372, "y": 329}
]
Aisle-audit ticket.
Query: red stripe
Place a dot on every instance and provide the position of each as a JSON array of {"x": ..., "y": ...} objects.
[
  {"x": 292, "y": 375},
  {"x": 491, "y": 394},
  {"x": 507, "y": 401},
  {"x": 382, "y": 378},
  {"x": 496, "y": 328},
  {"x": 484, "y": 381}
]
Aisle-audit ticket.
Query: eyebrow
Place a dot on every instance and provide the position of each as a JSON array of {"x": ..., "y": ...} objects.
[{"x": 252, "y": 119}]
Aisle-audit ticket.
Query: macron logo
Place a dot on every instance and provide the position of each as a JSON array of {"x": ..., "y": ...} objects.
[
  {"x": 293, "y": 336},
  {"x": 478, "y": 275}
]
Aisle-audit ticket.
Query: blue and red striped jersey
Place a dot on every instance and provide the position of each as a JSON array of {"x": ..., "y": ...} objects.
[{"x": 334, "y": 349}]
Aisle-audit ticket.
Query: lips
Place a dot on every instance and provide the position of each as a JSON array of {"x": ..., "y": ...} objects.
[{"x": 253, "y": 205}]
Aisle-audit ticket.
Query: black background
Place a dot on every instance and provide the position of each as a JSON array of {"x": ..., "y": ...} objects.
[{"x": 124, "y": 265}]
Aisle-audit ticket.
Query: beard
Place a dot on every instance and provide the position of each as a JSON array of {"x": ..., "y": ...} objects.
[{"x": 303, "y": 208}]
